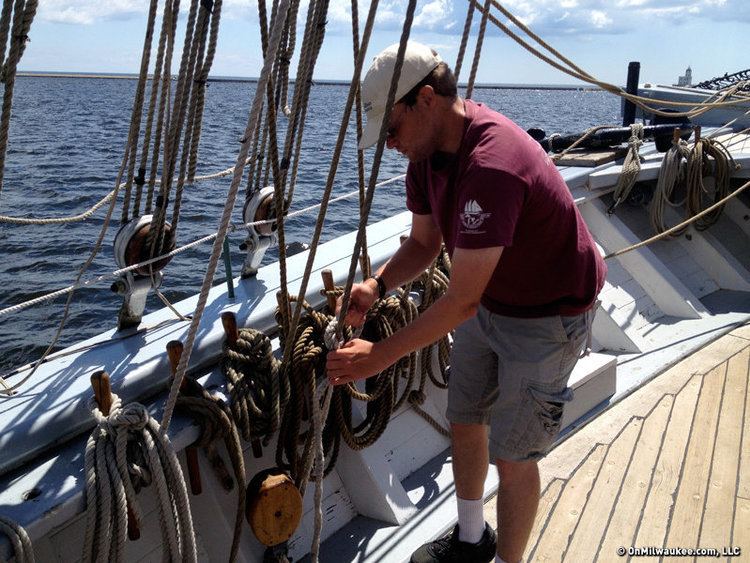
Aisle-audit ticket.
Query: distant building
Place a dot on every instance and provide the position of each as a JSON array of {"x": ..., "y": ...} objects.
[{"x": 686, "y": 80}]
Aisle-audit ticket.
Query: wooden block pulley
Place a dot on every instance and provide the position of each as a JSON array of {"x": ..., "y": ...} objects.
[{"x": 273, "y": 507}]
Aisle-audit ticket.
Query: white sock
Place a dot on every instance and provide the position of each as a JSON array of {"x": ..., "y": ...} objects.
[
  {"x": 470, "y": 520},
  {"x": 499, "y": 559}
]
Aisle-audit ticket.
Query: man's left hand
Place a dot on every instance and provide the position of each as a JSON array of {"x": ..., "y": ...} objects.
[{"x": 357, "y": 359}]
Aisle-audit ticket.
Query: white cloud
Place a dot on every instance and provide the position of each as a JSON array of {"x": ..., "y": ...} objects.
[
  {"x": 90, "y": 11},
  {"x": 600, "y": 19},
  {"x": 434, "y": 14}
]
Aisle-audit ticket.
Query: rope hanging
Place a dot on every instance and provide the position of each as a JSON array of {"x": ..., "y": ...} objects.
[
  {"x": 110, "y": 489},
  {"x": 478, "y": 49},
  {"x": 19, "y": 539},
  {"x": 671, "y": 175},
  {"x": 464, "y": 40},
  {"x": 630, "y": 167},
  {"x": 697, "y": 191},
  {"x": 23, "y": 14},
  {"x": 253, "y": 120}
]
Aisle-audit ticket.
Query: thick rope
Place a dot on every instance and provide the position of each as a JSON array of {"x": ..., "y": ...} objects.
[
  {"x": 630, "y": 167},
  {"x": 23, "y": 14},
  {"x": 257, "y": 393},
  {"x": 217, "y": 249},
  {"x": 671, "y": 175},
  {"x": 478, "y": 49},
  {"x": 464, "y": 40},
  {"x": 19, "y": 539},
  {"x": 109, "y": 489},
  {"x": 698, "y": 161},
  {"x": 364, "y": 215}
]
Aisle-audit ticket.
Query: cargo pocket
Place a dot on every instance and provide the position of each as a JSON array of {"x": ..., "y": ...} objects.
[{"x": 548, "y": 407}]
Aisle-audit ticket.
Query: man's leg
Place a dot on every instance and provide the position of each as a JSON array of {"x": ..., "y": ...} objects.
[
  {"x": 517, "y": 502},
  {"x": 470, "y": 457}
]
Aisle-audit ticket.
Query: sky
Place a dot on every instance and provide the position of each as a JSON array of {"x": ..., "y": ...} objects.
[{"x": 600, "y": 36}]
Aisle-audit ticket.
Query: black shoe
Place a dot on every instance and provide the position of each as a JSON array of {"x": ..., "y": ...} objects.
[{"x": 451, "y": 550}]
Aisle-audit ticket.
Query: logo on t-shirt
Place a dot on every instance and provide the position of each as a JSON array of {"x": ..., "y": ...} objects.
[{"x": 472, "y": 217}]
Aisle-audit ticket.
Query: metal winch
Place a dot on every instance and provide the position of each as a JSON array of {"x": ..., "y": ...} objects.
[
  {"x": 260, "y": 207},
  {"x": 132, "y": 247}
]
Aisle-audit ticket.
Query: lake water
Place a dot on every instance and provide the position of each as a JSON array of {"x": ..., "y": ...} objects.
[{"x": 67, "y": 138}]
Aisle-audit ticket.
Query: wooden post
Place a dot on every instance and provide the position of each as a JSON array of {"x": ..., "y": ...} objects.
[
  {"x": 103, "y": 398},
  {"x": 327, "y": 276},
  {"x": 229, "y": 322},
  {"x": 174, "y": 351},
  {"x": 628, "y": 110}
]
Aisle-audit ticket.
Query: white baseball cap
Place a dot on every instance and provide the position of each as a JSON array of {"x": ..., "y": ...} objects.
[{"x": 419, "y": 61}]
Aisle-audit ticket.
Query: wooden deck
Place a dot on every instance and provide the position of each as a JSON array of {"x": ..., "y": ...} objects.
[{"x": 669, "y": 466}]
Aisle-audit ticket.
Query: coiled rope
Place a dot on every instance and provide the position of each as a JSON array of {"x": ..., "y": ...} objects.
[
  {"x": 109, "y": 488},
  {"x": 630, "y": 167},
  {"x": 19, "y": 539},
  {"x": 258, "y": 395},
  {"x": 671, "y": 174},
  {"x": 698, "y": 162}
]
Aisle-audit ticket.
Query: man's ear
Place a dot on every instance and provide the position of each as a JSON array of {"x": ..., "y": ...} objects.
[{"x": 427, "y": 95}]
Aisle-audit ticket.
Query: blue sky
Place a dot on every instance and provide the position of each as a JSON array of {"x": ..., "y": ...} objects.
[{"x": 601, "y": 36}]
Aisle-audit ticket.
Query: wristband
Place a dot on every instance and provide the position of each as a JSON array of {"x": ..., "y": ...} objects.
[{"x": 382, "y": 289}]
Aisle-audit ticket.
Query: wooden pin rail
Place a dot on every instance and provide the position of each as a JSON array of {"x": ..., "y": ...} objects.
[
  {"x": 327, "y": 276},
  {"x": 174, "y": 351},
  {"x": 103, "y": 398},
  {"x": 229, "y": 322}
]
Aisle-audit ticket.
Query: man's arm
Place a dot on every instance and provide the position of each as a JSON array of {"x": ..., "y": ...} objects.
[
  {"x": 470, "y": 274},
  {"x": 411, "y": 259}
]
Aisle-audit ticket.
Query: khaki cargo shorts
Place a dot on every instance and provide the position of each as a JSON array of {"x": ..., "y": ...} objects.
[{"x": 512, "y": 374}]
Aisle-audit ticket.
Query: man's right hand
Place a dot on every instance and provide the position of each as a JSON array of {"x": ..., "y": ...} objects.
[{"x": 362, "y": 297}]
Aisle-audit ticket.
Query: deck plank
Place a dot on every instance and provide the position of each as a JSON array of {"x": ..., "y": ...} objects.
[
  {"x": 632, "y": 497},
  {"x": 593, "y": 520},
  {"x": 691, "y": 494},
  {"x": 556, "y": 534},
  {"x": 668, "y": 467},
  {"x": 722, "y": 483},
  {"x": 743, "y": 487},
  {"x": 546, "y": 505},
  {"x": 741, "y": 532}
]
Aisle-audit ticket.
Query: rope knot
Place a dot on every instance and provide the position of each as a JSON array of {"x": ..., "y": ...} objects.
[
  {"x": 332, "y": 341},
  {"x": 132, "y": 416}
]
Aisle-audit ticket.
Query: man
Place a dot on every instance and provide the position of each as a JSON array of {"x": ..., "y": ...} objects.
[{"x": 525, "y": 275}]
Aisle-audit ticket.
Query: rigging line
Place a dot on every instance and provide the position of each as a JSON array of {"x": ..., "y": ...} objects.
[
  {"x": 478, "y": 49},
  {"x": 640, "y": 101},
  {"x": 84, "y": 267},
  {"x": 391, "y": 98},
  {"x": 343, "y": 128},
  {"x": 176, "y": 251},
  {"x": 86, "y": 214},
  {"x": 464, "y": 41},
  {"x": 224, "y": 224},
  {"x": 137, "y": 112}
]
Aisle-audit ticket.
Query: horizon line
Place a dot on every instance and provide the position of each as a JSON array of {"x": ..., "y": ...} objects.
[{"x": 319, "y": 81}]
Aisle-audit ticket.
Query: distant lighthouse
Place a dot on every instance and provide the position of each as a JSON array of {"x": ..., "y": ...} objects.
[{"x": 686, "y": 80}]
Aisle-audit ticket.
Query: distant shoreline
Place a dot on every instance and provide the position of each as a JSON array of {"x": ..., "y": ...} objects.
[{"x": 322, "y": 82}]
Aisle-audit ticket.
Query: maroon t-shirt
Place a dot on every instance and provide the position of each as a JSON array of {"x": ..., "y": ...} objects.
[{"x": 501, "y": 189}]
